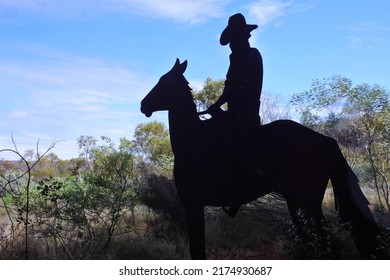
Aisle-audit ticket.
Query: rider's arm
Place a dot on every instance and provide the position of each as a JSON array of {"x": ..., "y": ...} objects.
[{"x": 221, "y": 100}]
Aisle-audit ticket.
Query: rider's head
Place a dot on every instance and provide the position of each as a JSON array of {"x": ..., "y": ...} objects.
[{"x": 237, "y": 33}]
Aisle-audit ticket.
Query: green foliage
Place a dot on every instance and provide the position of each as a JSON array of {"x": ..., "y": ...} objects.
[
  {"x": 112, "y": 185},
  {"x": 209, "y": 94},
  {"x": 151, "y": 142},
  {"x": 57, "y": 220},
  {"x": 73, "y": 216},
  {"x": 336, "y": 98},
  {"x": 60, "y": 218}
]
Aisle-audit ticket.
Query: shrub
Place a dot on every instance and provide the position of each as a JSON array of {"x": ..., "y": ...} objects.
[
  {"x": 160, "y": 195},
  {"x": 332, "y": 240}
]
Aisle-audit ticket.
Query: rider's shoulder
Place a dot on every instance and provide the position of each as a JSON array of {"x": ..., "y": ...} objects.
[{"x": 254, "y": 51}]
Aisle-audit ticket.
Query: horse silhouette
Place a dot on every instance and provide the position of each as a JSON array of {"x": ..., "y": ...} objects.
[{"x": 288, "y": 159}]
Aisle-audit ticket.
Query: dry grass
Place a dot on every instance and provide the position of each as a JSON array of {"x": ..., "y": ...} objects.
[{"x": 272, "y": 252}]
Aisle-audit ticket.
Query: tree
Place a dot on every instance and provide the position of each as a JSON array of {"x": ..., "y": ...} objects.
[
  {"x": 17, "y": 186},
  {"x": 7, "y": 166},
  {"x": 86, "y": 145},
  {"x": 358, "y": 116},
  {"x": 151, "y": 142},
  {"x": 111, "y": 186},
  {"x": 270, "y": 109},
  {"x": 60, "y": 218},
  {"x": 46, "y": 167},
  {"x": 209, "y": 94}
]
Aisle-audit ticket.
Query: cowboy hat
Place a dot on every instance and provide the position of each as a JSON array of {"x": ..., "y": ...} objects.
[{"x": 236, "y": 25}]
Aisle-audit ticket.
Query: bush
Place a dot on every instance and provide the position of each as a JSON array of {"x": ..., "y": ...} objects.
[
  {"x": 160, "y": 195},
  {"x": 332, "y": 241}
]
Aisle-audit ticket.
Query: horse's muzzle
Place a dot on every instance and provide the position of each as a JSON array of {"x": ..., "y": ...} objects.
[{"x": 147, "y": 113}]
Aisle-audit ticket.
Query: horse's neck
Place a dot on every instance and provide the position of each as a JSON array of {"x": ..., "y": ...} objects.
[{"x": 183, "y": 127}]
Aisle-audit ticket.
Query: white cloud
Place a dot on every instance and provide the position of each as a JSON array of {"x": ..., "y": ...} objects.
[
  {"x": 266, "y": 12},
  {"x": 189, "y": 11},
  {"x": 18, "y": 114}
]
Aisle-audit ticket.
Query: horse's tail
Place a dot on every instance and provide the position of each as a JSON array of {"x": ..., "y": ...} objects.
[{"x": 353, "y": 205}]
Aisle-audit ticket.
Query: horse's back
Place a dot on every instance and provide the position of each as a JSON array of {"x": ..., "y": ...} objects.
[
  {"x": 296, "y": 157},
  {"x": 293, "y": 141},
  {"x": 288, "y": 129}
]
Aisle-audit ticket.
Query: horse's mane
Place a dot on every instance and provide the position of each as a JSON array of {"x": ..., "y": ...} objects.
[{"x": 184, "y": 94}]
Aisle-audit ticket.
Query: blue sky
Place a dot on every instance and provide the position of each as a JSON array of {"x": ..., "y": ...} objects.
[{"x": 71, "y": 68}]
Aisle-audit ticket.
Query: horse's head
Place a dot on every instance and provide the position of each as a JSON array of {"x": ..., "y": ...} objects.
[{"x": 160, "y": 98}]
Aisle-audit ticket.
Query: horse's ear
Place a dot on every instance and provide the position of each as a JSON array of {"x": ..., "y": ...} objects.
[
  {"x": 183, "y": 66},
  {"x": 177, "y": 63}
]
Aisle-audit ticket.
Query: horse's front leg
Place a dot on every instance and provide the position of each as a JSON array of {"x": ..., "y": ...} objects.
[{"x": 196, "y": 230}]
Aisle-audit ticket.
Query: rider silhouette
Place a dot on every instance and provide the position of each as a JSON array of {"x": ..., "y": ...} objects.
[
  {"x": 244, "y": 78},
  {"x": 244, "y": 81}
]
